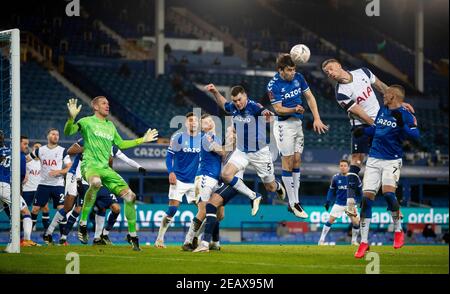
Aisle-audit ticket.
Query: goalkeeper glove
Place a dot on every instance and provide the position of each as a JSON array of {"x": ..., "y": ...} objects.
[
  {"x": 72, "y": 107},
  {"x": 398, "y": 117},
  {"x": 151, "y": 135},
  {"x": 142, "y": 170}
]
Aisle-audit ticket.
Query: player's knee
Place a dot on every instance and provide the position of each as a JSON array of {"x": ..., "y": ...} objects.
[
  {"x": 129, "y": 196},
  {"x": 220, "y": 214},
  {"x": 95, "y": 182},
  {"x": 115, "y": 208},
  {"x": 227, "y": 176}
]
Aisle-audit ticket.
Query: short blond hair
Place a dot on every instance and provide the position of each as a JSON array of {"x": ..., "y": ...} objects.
[{"x": 95, "y": 100}]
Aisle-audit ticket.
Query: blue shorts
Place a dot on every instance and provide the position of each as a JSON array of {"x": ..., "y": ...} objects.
[
  {"x": 227, "y": 193},
  {"x": 361, "y": 144},
  {"x": 105, "y": 199},
  {"x": 44, "y": 193},
  {"x": 29, "y": 197}
]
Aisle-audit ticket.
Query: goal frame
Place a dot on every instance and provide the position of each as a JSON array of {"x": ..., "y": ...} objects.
[{"x": 14, "y": 37}]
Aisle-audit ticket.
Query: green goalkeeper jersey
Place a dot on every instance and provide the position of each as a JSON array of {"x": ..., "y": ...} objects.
[{"x": 99, "y": 135}]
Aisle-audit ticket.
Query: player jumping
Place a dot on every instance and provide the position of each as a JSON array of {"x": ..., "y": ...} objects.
[
  {"x": 99, "y": 135},
  {"x": 355, "y": 94},
  {"x": 251, "y": 147},
  {"x": 286, "y": 90},
  {"x": 393, "y": 124}
]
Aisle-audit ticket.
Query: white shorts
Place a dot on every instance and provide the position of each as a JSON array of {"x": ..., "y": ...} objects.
[
  {"x": 71, "y": 185},
  {"x": 5, "y": 196},
  {"x": 381, "y": 172},
  {"x": 177, "y": 191},
  {"x": 289, "y": 136},
  {"x": 204, "y": 187},
  {"x": 260, "y": 160},
  {"x": 337, "y": 210}
]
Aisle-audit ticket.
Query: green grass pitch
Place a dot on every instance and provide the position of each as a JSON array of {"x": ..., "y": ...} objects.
[{"x": 244, "y": 259}]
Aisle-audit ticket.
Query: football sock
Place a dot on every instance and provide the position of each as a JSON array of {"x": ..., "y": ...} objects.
[
  {"x": 99, "y": 223},
  {"x": 130, "y": 214},
  {"x": 326, "y": 228},
  {"x": 165, "y": 223},
  {"x": 111, "y": 221},
  {"x": 211, "y": 220},
  {"x": 353, "y": 181},
  {"x": 45, "y": 220},
  {"x": 289, "y": 185},
  {"x": 355, "y": 233},
  {"x": 27, "y": 227},
  {"x": 193, "y": 228},
  {"x": 296, "y": 177},
  {"x": 89, "y": 200},
  {"x": 71, "y": 220},
  {"x": 239, "y": 185}
]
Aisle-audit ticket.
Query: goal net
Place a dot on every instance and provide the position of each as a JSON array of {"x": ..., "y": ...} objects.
[{"x": 10, "y": 129}]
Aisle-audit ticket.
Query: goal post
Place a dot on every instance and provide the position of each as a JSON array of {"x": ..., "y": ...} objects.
[{"x": 10, "y": 122}]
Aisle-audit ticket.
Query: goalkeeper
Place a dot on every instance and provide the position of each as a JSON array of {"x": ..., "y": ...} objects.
[{"x": 99, "y": 135}]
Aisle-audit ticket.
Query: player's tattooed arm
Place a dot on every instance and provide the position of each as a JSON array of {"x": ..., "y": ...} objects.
[
  {"x": 358, "y": 111},
  {"x": 75, "y": 149},
  {"x": 281, "y": 110},
  {"x": 380, "y": 86},
  {"x": 219, "y": 98},
  {"x": 318, "y": 125}
]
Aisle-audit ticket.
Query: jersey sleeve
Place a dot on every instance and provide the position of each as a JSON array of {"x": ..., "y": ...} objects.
[
  {"x": 273, "y": 90},
  {"x": 125, "y": 144},
  {"x": 343, "y": 97},
  {"x": 66, "y": 157},
  {"x": 303, "y": 84},
  {"x": 369, "y": 74},
  {"x": 256, "y": 108},
  {"x": 174, "y": 145},
  {"x": 228, "y": 106},
  {"x": 333, "y": 183}
]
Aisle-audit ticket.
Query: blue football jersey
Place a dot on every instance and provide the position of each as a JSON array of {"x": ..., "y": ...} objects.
[
  {"x": 388, "y": 138},
  {"x": 250, "y": 126},
  {"x": 186, "y": 155},
  {"x": 210, "y": 162},
  {"x": 338, "y": 187},
  {"x": 288, "y": 93},
  {"x": 23, "y": 166},
  {"x": 5, "y": 165}
]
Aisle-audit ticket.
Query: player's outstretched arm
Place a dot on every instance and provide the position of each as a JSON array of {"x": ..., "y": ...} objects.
[
  {"x": 150, "y": 136},
  {"x": 219, "y": 98},
  {"x": 71, "y": 128},
  {"x": 380, "y": 86},
  {"x": 318, "y": 125},
  {"x": 360, "y": 113},
  {"x": 127, "y": 160},
  {"x": 75, "y": 149}
]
